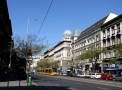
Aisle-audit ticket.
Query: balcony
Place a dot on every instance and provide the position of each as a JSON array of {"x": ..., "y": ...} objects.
[
  {"x": 104, "y": 38},
  {"x": 113, "y": 36},
  {"x": 108, "y": 37},
  {"x": 118, "y": 35},
  {"x": 118, "y": 31}
]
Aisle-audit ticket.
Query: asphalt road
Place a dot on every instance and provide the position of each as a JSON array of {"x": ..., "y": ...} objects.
[{"x": 55, "y": 83}]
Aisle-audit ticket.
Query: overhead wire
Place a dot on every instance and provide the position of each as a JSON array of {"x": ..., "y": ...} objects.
[{"x": 45, "y": 17}]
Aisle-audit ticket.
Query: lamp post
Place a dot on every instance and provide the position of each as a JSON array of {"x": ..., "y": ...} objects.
[{"x": 29, "y": 60}]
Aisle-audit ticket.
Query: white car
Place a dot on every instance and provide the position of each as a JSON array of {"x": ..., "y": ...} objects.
[
  {"x": 95, "y": 75},
  {"x": 83, "y": 75}
]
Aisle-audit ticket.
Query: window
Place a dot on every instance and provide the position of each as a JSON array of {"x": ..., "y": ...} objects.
[
  {"x": 97, "y": 37},
  {"x": 108, "y": 43},
  {"x": 103, "y": 31},
  {"x": 113, "y": 41},
  {"x": 118, "y": 27},
  {"x": 108, "y": 32},
  {"x": 104, "y": 44},
  {"x": 113, "y": 29},
  {"x": 118, "y": 40}
]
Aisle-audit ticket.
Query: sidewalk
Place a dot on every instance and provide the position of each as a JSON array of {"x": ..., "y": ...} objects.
[{"x": 13, "y": 83}]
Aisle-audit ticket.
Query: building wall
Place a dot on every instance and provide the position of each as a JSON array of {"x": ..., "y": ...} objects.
[
  {"x": 61, "y": 52},
  {"x": 112, "y": 35},
  {"x": 94, "y": 38},
  {"x": 5, "y": 35}
]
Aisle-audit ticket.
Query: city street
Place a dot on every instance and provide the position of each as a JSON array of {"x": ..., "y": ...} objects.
[
  {"x": 60, "y": 45},
  {"x": 66, "y": 83}
]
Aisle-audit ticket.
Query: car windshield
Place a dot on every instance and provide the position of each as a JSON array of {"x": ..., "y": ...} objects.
[{"x": 98, "y": 73}]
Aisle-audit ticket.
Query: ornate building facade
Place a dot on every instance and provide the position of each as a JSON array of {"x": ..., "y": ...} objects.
[
  {"x": 104, "y": 33},
  {"x": 61, "y": 52}
]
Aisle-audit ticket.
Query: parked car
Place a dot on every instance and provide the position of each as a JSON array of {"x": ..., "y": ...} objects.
[
  {"x": 71, "y": 73},
  {"x": 117, "y": 78},
  {"x": 96, "y": 75},
  {"x": 84, "y": 75},
  {"x": 106, "y": 76}
]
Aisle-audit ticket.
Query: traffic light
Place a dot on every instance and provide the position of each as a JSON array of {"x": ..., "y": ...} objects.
[{"x": 29, "y": 52}]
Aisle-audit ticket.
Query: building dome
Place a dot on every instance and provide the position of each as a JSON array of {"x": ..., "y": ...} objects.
[
  {"x": 67, "y": 35},
  {"x": 67, "y": 32}
]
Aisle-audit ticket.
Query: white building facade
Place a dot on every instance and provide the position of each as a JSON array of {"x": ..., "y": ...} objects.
[
  {"x": 97, "y": 36},
  {"x": 105, "y": 33},
  {"x": 61, "y": 52}
]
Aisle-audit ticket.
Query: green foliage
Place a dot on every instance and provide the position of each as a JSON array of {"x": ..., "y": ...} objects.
[
  {"x": 47, "y": 64},
  {"x": 118, "y": 49},
  {"x": 43, "y": 63},
  {"x": 54, "y": 65},
  {"x": 90, "y": 54},
  {"x": 95, "y": 52}
]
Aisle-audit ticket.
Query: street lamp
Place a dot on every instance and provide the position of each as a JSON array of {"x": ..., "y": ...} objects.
[{"x": 29, "y": 60}]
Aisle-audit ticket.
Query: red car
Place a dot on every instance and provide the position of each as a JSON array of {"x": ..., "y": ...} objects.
[{"x": 106, "y": 76}]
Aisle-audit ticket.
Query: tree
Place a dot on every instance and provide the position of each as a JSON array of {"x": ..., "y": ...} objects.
[
  {"x": 45, "y": 63},
  {"x": 91, "y": 54},
  {"x": 54, "y": 64},
  {"x": 118, "y": 53},
  {"x": 31, "y": 42},
  {"x": 117, "y": 50}
]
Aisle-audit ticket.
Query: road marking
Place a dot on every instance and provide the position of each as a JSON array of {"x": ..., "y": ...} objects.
[
  {"x": 103, "y": 88},
  {"x": 35, "y": 84},
  {"x": 72, "y": 89}
]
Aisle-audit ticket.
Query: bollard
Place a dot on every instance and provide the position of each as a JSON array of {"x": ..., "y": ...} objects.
[{"x": 29, "y": 81}]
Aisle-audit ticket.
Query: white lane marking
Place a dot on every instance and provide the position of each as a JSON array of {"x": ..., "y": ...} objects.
[
  {"x": 72, "y": 89},
  {"x": 103, "y": 88},
  {"x": 35, "y": 84}
]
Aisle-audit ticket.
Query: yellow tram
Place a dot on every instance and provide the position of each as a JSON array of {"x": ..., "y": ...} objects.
[{"x": 46, "y": 71}]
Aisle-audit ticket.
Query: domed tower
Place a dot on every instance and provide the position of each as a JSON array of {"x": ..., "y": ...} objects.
[
  {"x": 67, "y": 35},
  {"x": 76, "y": 34}
]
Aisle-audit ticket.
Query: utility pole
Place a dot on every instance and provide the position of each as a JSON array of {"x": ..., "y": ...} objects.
[{"x": 29, "y": 56}]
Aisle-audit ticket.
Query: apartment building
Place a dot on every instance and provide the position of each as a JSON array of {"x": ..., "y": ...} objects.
[
  {"x": 61, "y": 52},
  {"x": 111, "y": 36},
  {"x": 91, "y": 37}
]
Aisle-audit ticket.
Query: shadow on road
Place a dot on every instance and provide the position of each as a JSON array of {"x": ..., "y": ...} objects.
[{"x": 35, "y": 88}]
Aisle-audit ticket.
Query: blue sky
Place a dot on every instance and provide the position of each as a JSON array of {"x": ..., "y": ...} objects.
[{"x": 63, "y": 15}]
